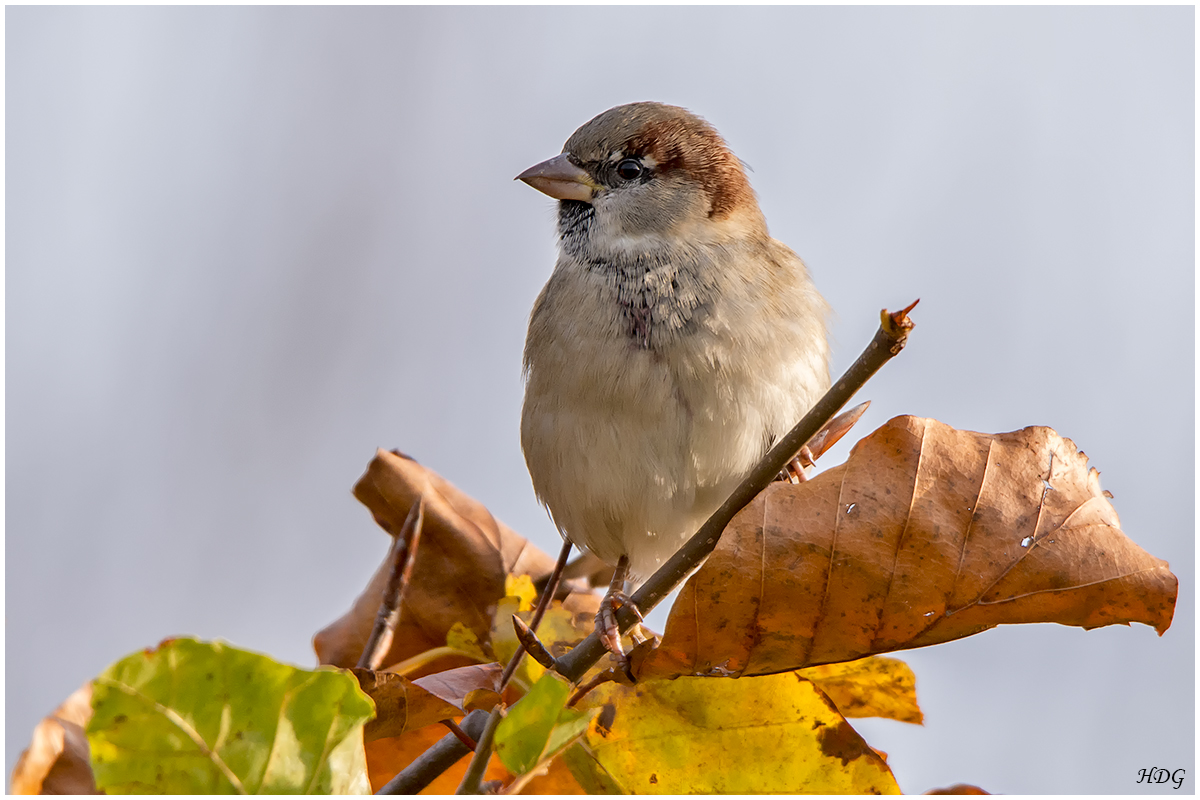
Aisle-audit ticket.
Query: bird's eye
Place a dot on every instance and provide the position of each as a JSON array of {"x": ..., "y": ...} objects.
[{"x": 629, "y": 169}]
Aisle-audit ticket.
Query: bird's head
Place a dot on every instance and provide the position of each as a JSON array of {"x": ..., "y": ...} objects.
[{"x": 648, "y": 171}]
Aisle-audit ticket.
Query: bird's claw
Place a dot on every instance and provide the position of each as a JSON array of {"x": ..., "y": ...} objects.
[
  {"x": 608, "y": 630},
  {"x": 793, "y": 471}
]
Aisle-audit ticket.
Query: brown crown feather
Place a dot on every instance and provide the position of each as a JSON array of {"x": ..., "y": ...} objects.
[{"x": 696, "y": 148}]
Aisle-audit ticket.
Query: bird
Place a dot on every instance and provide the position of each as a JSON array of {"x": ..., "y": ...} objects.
[{"x": 673, "y": 343}]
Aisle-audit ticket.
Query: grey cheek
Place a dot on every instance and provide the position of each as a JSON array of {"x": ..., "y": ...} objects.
[{"x": 653, "y": 213}]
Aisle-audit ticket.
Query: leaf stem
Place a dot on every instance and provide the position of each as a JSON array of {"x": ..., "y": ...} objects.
[{"x": 460, "y": 734}]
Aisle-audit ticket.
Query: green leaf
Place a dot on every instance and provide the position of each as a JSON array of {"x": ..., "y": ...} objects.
[
  {"x": 572, "y": 723},
  {"x": 523, "y": 735},
  {"x": 204, "y": 718}
]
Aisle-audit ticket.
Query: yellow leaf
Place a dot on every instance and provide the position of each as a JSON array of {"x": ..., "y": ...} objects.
[
  {"x": 521, "y": 587},
  {"x": 775, "y": 733},
  {"x": 870, "y": 687},
  {"x": 505, "y": 644},
  {"x": 462, "y": 638}
]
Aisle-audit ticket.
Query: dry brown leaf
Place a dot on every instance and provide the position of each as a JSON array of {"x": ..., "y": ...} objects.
[
  {"x": 58, "y": 760},
  {"x": 402, "y": 705},
  {"x": 453, "y": 686},
  {"x": 926, "y": 534},
  {"x": 461, "y": 563}
]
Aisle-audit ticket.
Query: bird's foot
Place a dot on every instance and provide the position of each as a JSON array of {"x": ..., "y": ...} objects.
[
  {"x": 610, "y": 633},
  {"x": 606, "y": 618},
  {"x": 793, "y": 471}
]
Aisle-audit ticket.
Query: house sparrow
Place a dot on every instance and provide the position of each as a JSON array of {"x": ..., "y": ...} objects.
[{"x": 673, "y": 343}]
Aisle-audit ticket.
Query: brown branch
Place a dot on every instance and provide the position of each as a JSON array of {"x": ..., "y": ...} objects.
[
  {"x": 402, "y": 556},
  {"x": 889, "y": 340},
  {"x": 608, "y": 676}
]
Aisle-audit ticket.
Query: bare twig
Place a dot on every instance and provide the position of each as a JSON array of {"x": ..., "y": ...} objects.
[
  {"x": 483, "y": 752},
  {"x": 543, "y": 603},
  {"x": 889, "y": 340},
  {"x": 437, "y": 759},
  {"x": 402, "y": 556}
]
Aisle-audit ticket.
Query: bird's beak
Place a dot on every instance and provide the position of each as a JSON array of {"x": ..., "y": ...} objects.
[{"x": 560, "y": 179}]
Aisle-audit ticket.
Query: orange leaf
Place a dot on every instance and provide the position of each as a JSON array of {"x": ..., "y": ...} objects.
[
  {"x": 557, "y": 779},
  {"x": 386, "y": 757},
  {"x": 926, "y": 534},
  {"x": 461, "y": 563}
]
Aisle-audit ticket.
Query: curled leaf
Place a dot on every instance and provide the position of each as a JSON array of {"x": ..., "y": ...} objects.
[
  {"x": 926, "y": 534},
  {"x": 402, "y": 705},
  {"x": 459, "y": 572},
  {"x": 58, "y": 759}
]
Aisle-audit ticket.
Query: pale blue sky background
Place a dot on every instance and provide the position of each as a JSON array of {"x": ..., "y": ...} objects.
[{"x": 247, "y": 246}]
